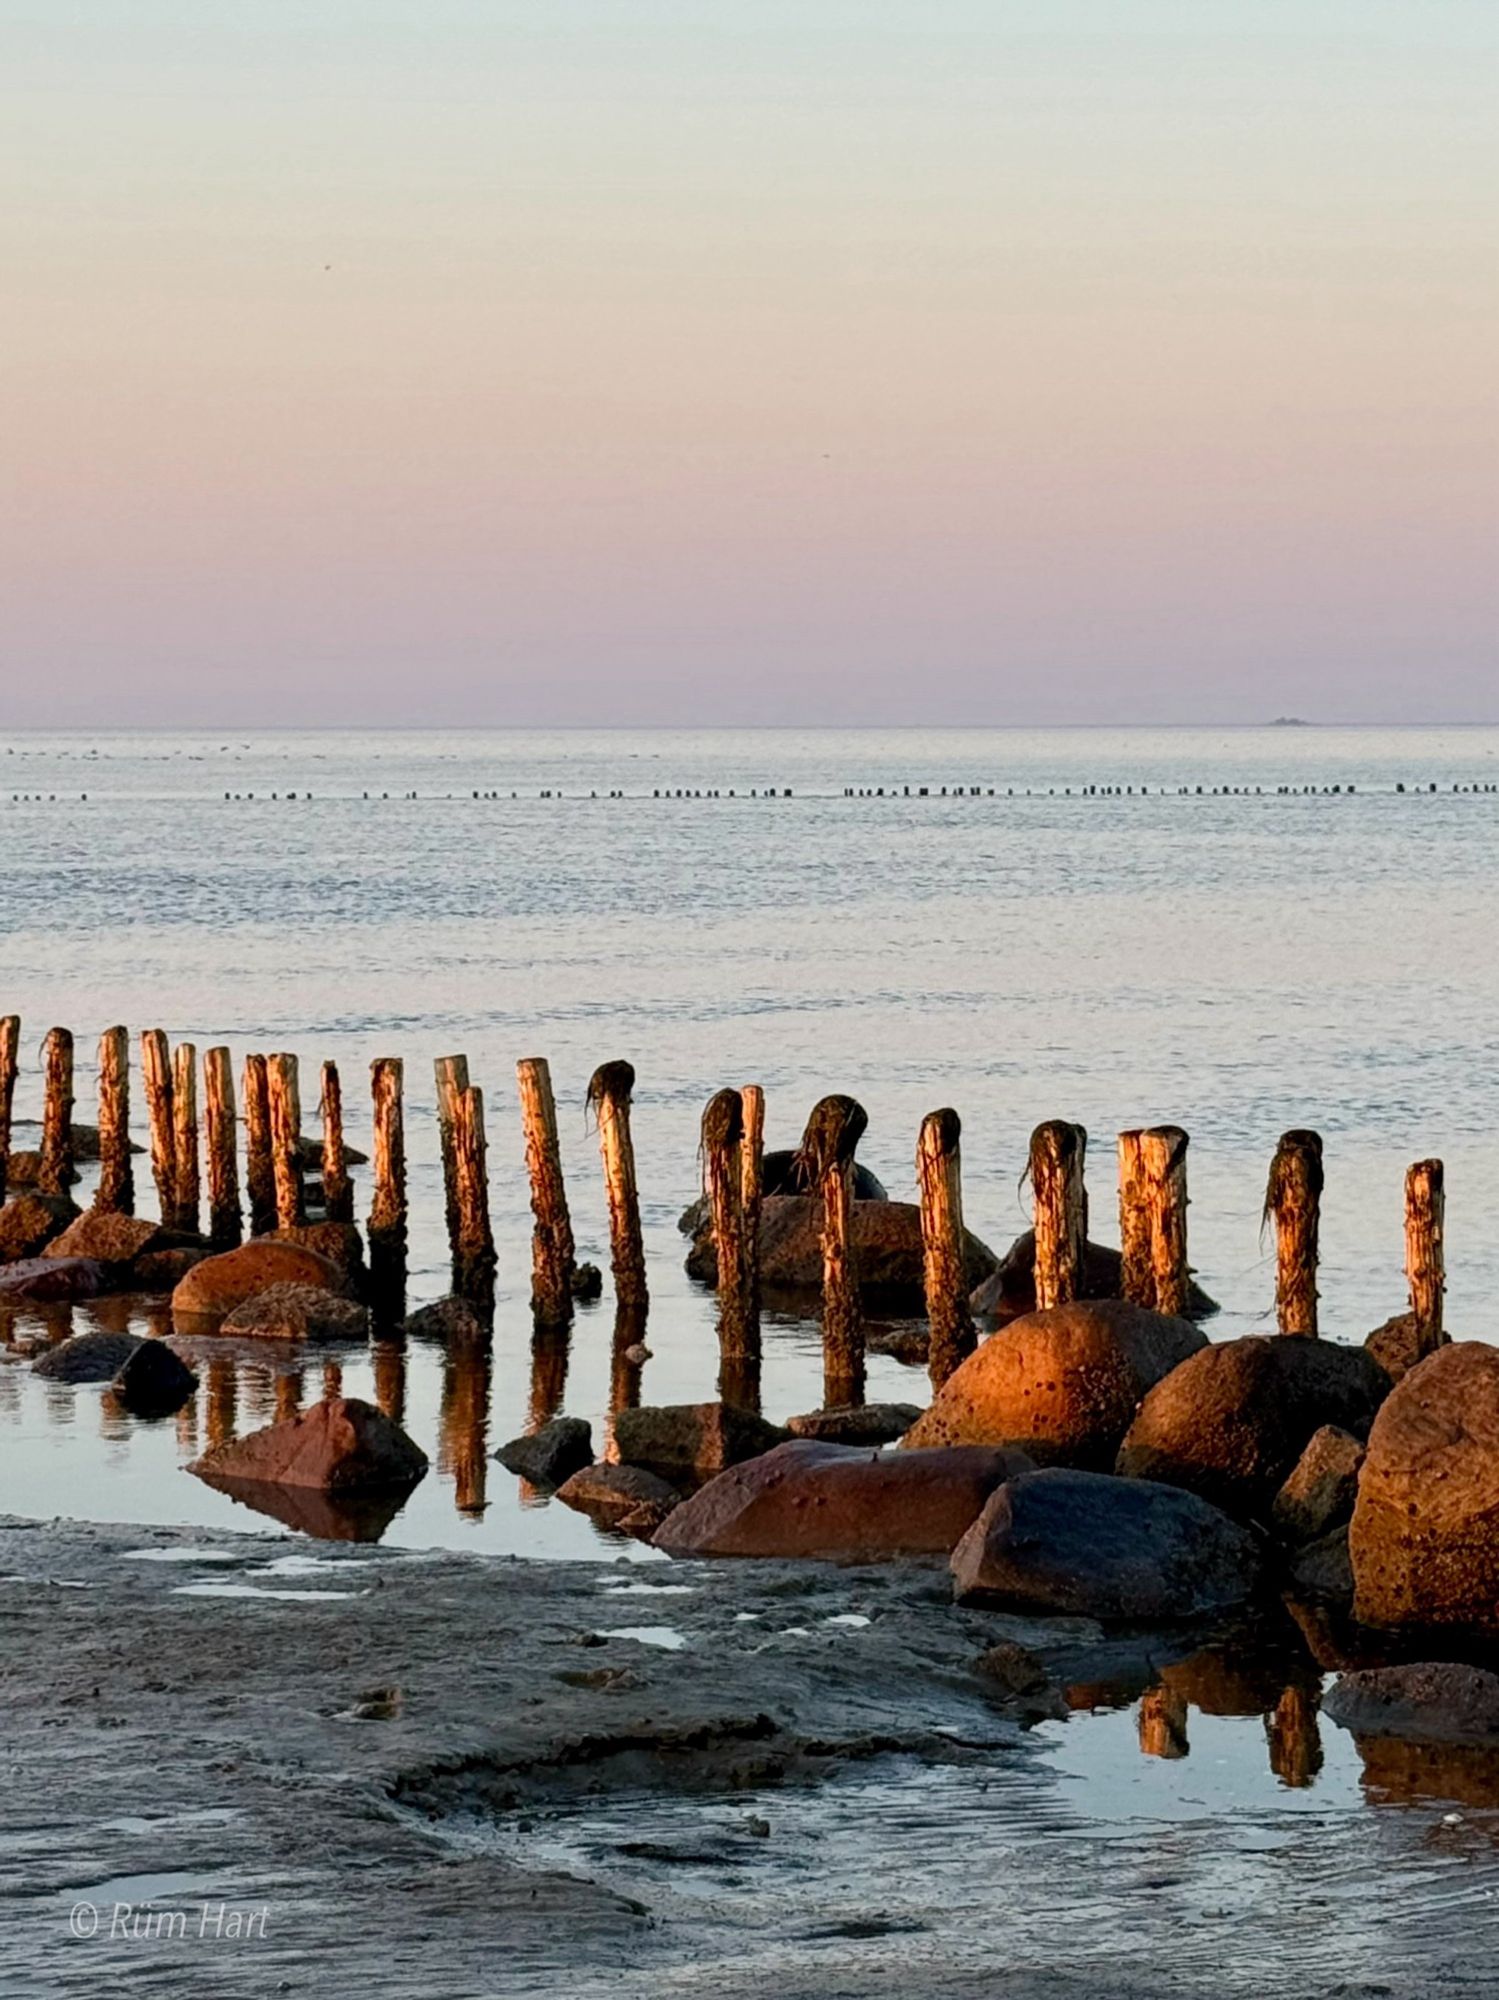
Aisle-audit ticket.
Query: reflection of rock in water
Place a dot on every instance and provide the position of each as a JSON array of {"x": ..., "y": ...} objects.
[
  {"x": 326, "y": 1517},
  {"x": 1401, "y": 1773},
  {"x": 1294, "y": 1738},
  {"x": 463, "y": 1423},
  {"x": 1163, "y": 1723}
]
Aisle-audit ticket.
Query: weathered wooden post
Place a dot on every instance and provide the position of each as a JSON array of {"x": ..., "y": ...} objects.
[
  {"x": 286, "y": 1140},
  {"x": 609, "y": 1093},
  {"x": 552, "y": 1248},
  {"x": 156, "y": 1077},
  {"x": 1163, "y": 1160},
  {"x": 338, "y": 1191},
  {"x": 1425, "y": 1256},
  {"x": 451, "y": 1073},
  {"x": 54, "y": 1174},
  {"x": 225, "y": 1218},
  {"x": 751, "y": 1190},
  {"x": 115, "y": 1194},
  {"x": 826, "y": 1162},
  {"x": 185, "y": 1136},
  {"x": 1136, "y": 1273},
  {"x": 387, "y": 1218},
  {"x": 10, "y": 1058},
  {"x": 1293, "y": 1196},
  {"x": 260, "y": 1173},
  {"x": 939, "y": 1176},
  {"x": 723, "y": 1184},
  {"x": 1061, "y": 1211},
  {"x": 473, "y": 1251}
]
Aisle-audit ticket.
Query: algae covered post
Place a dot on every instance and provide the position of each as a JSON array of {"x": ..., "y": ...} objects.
[
  {"x": 55, "y": 1167},
  {"x": 609, "y": 1094},
  {"x": 260, "y": 1174},
  {"x": 286, "y": 1140},
  {"x": 1293, "y": 1196},
  {"x": 387, "y": 1217},
  {"x": 939, "y": 1177},
  {"x": 825, "y": 1163},
  {"x": 1163, "y": 1161},
  {"x": 225, "y": 1217},
  {"x": 115, "y": 1193},
  {"x": 552, "y": 1249},
  {"x": 1057, "y": 1154},
  {"x": 1425, "y": 1254}
]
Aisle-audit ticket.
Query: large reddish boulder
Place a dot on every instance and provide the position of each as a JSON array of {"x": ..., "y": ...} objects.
[
  {"x": 340, "y": 1445},
  {"x": 1231, "y": 1422},
  {"x": 1084, "y": 1544},
  {"x": 839, "y": 1502},
  {"x": 1064, "y": 1383},
  {"x": 1424, "y": 1542},
  {"x": 219, "y": 1284},
  {"x": 106, "y": 1237},
  {"x": 886, "y": 1243},
  {"x": 1010, "y": 1289},
  {"x": 342, "y": 1245}
]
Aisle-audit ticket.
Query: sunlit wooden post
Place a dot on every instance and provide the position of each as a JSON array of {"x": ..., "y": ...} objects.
[
  {"x": 552, "y": 1248},
  {"x": 723, "y": 1184},
  {"x": 1137, "y": 1272},
  {"x": 260, "y": 1172},
  {"x": 939, "y": 1177},
  {"x": 473, "y": 1253},
  {"x": 1293, "y": 1196},
  {"x": 338, "y": 1192},
  {"x": 156, "y": 1078},
  {"x": 10, "y": 1059},
  {"x": 286, "y": 1140},
  {"x": 115, "y": 1194},
  {"x": 185, "y": 1136},
  {"x": 451, "y": 1074},
  {"x": 55, "y": 1166},
  {"x": 1061, "y": 1210},
  {"x": 751, "y": 1190},
  {"x": 225, "y": 1218},
  {"x": 826, "y": 1162},
  {"x": 609, "y": 1094},
  {"x": 387, "y": 1218},
  {"x": 1163, "y": 1159},
  {"x": 1425, "y": 1254}
]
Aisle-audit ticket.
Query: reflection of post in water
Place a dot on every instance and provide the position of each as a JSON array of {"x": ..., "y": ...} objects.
[
  {"x": 187, "y": 1425},
  {"x": 550, "y": 1349},
  {"x": 288, "y": 1394},
  {"x": 387, "y": 1218},
  {"x": 463, "y": 1421},
  {"x": 739, "y": 1380},
  {"x": 259, "y": 1384},
  {"x": 1295, "y": 1740},
  {"x": 1163, "y": 1723},
  {"x": 219, "y": 1403},
  {"x": 627, "y": 1365},
  {"x": 825, "y": 1167},
  {"x": 333, "y": 1379},
  {"x": 389, "y": 1358}
]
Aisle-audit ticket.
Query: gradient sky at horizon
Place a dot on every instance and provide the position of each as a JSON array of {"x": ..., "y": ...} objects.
[{"x": 646, "y": 361}]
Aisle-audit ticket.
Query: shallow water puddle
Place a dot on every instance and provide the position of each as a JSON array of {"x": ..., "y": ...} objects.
[
  {"x": 184, "y": 1556},
  {"x": 649, "y": 1589},
  {"x": 665, "y": 1636},
  {"x": 256, "y": 1590}
]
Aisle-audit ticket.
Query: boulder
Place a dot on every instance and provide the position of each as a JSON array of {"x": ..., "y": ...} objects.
[
  {"x": 298, "y": 1312},
  {"x": 451, "y": 1318},
  {"x": 106, "y": 1237},
  {"x": 692, "y": 1438},
  {"x": 340, "y": 1445},
  {"x": 1065, "y": 1383},
  {"x": 154, "y": 1381},
  {"x": 1231, "y": 1422},
  {"x": 1397, "y": 1345},
  {"x": 620, "y": 1496},
  {"x": 85, "y": 1139},
  {"x": 87, "y": 1357},
  {"x": 1085, "y": 1544},
  {"x": 164, "y": 1270},
  {"x": 856, "y": 1423},
  {"x": 908, "y": 1344},
  {"x": 218, "y": 1284},
  {"x": 586, "y": 1281},
  {"x": 1432, "y": 1702},
  {"x": 550, "y": 1455},
  {"x": 839, "y": 1503},
  {"x": 1323, "y": 1484},
  {"x": 53, "y": 1280},
  {"x": 24, "y": 1170},
  {"x": 887, "y": 1252},
  {"x": 1010, "y": 1289},
  {"x": 340, "y": 1243},
  {"x": 1322, "y": 1570},
  {"x": 28, "y": 1223},
  {"x": 779, "y": 1174},
  {"x": 1425, "y": 1535}
]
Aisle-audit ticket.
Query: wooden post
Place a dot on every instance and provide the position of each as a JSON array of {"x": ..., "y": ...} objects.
[
  {"x": 751, "y": 1191},
  {"x": 225, "y": 1218},
  {"x": 452, "y": 1080},
  {"x": 10, "y": 1058},
  {"x": 387, "y": 1220},
  {"x": 115, "y": 1194},
  {"x": 156, "y": 1076},
  {"x": 826, "y": 1162},
  {"x": 185, "y": 1135},
  {"x": 1425, "y": 1258},
  {"x": 55, "y": 1167},
  {"x": 552, "y": 1248},
  {"x": 1137, "y": 1273},
  {"x": 1293, "y": 1195},
  {"x": 609, "y": 1093},
  {"x": 286, "y": 1140},
  {"x": 939, "y": 1176},
  {"x": 722, "y": 1136},
  {"x": 1061, "y": 1211},
  {"x": 260, "y": 1174},
  {"x": 1163, "y": 1160},
  {"x": 338, "y": 1192},
  {"x": 473, "y": 1252}
]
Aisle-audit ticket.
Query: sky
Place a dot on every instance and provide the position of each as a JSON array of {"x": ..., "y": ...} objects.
[{"x": 740, "y": 361}]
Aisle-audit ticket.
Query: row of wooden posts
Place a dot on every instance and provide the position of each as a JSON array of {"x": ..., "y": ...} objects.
[{"x": 1152, "y": 1191}]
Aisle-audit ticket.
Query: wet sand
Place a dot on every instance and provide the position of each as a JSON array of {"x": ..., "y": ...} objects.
[{"x": 695, "y": 1779}]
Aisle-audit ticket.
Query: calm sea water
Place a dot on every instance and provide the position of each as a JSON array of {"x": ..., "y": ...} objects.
[{"x": 1236, "y": 963}]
